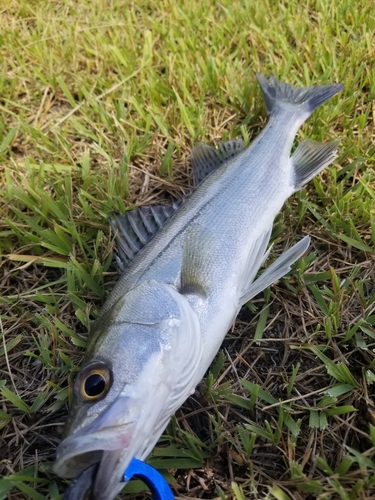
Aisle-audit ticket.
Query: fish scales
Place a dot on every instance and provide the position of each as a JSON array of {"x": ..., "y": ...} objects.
[
  {"x": 187, "y": 271},
  {"x": 234, "y": 188}
]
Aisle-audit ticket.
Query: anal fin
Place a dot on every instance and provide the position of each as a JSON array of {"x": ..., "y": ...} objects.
[{"x": 310, "y": 158}]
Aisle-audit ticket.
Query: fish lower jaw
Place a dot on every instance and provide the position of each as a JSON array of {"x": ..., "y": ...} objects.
[
  {"x": 71, "y": 467},
  {"x": 77, "y": 453}
]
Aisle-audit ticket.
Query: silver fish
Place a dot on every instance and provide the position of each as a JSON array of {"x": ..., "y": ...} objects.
[{"x": 190, "y": 266}]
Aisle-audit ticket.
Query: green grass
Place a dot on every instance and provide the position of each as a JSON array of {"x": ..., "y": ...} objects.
[{"x": 100, "y": 104}]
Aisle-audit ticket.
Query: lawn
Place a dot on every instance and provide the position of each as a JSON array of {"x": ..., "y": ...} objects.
[{"x": 101, "y": 103}]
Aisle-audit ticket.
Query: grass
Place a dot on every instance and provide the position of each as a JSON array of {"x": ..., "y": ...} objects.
[{"x": 101, "y": 103}]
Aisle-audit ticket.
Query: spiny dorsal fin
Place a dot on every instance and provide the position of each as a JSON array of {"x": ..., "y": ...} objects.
[
  {"x": 205, "y": 159},
  {"x": 135, "y": 228}
]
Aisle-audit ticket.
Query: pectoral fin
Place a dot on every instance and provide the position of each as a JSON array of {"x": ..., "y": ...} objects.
[
  {"x": 198, "y": 267},
  {"x": 279, "y": 268}
]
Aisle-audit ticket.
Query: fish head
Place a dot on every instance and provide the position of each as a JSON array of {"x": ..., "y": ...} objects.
[{"x": 141, "y": 364}]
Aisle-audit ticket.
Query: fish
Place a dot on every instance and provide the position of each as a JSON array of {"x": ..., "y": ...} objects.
[{"x": 188, "y": 269}]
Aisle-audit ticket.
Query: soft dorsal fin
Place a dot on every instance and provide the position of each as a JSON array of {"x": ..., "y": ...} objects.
[
  {"x": 231, "y": 148},
  {"x": 135, "y": 228},
  {"x": 205, "y": 159}
]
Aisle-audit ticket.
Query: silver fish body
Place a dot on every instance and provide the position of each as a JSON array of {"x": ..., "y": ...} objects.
[{"x": 184, "y": 284}]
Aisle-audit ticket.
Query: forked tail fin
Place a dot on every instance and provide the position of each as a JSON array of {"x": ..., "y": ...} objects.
[{"x": 305, "y": 99}]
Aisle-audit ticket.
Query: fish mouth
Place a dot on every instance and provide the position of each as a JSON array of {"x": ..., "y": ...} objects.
[
  {"x": 105, "y": 447},
  {"x": 98, "y": 454},
  {"x": 77, "y": 452},
  {"x": 100, "y": 481},
  {"x": 99, "y": 468},
  {"x": 97, "y": 461}
]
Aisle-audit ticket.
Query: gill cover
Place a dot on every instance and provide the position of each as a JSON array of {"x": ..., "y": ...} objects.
[{"x": 141, "y": 368}]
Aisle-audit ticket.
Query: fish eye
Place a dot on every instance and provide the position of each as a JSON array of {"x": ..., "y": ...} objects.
[{"x": 93, "y": 382}]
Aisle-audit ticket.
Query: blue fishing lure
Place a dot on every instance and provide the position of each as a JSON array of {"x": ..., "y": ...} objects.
[{"x": 151, "y": 477}]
